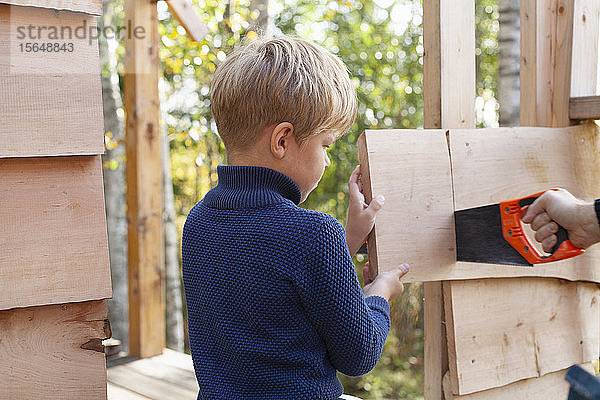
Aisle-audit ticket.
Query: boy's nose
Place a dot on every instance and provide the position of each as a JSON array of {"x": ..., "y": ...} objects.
[{"x": 327, "y": 161}]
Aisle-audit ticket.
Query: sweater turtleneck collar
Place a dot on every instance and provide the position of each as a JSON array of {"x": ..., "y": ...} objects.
[{"x": 250, "y": 187}]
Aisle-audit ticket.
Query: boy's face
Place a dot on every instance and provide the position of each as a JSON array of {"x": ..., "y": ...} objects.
[{"x": 311, "y": 159}]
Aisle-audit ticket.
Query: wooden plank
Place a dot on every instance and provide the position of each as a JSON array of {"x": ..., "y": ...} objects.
[
  {"x": 584, "y": 71},
  {"x": 546, "y": 44},
  {"x": 528, "y": 63},
  {"x": 487, "y": 167},
  {"x": 156, "y": 369},
  {"x": 53, "y": 232},
  {"x": 131, "y": 379},
  {"x": 539, "y": 326},
  {"x": 449, "y": 101},
  {"x": 457, "y": 45},
  {"x": 144, "y": 185},
  {"x": 587, "y": 107},
  {"x": 187, "y": 16},
  {"x": 51, "y": 105},
  {"x": 54, "y": 351},
  {"x": 116, "y": 392},
  {"x": 93, "y": 7},
  {"x": 550, "y": 386}
]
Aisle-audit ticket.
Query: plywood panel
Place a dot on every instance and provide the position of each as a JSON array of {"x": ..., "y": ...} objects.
[
  {"x": 85, "y": 6},
  {"x": 551, "y": 386},
  {"x": 504, "y": 330},
  {"x": 411, "y": 169},
  {"x": 51, "y": 101},
  {"x": 53, "y": 231},
  {"x": 54, "y": 351}
]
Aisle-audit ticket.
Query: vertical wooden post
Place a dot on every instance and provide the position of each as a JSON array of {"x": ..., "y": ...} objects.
[
  {"x": 144, "y": 181},
  {"x": 546, "y": 48},
  {"x": 449, "y": 102},
  {"x": 584, "y": 71}
]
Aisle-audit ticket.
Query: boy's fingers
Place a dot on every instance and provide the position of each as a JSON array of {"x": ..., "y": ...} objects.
[
  {"x": 376, "y": 204},
  {"x": 353, "y": 184},
  {"x": 404, "y": 268},
  {"x": 540, "y": 220}
]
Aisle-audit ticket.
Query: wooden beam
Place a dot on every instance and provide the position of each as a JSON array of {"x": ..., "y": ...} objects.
[
  {"x": 587, "y": 107},
  {"x": 546, "y": 48},
  {"x": 187, "y": 16},
  {"x": 449, "y": 102},
  {"x": 144, "y": 183},
  {"x": 584, "y": 72}
]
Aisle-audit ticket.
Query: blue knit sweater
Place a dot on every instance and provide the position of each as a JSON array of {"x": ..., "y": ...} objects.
[{"x": 274, "y": 304}]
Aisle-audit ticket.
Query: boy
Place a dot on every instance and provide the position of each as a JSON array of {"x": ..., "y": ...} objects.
[{"x": 274, "y": 303}]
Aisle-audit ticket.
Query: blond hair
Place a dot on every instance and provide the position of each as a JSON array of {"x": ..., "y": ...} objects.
[{"x": 281, "y": 80}]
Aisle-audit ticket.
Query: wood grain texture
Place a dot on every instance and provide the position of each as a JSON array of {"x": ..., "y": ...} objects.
[
  {"x": 550, "y": 386},
  {"x": 51, "y": 105},
  {"x": 539, "y": 326},
  {"x": 546, "y": 48},
  {"x": 188, "y": 17},
  {"x": 587, "y": 107},
  {"x": 144, "y": 185},
  {"x": 412, "y": 170},
  {"x": 457, "y": 46},
  {"x": 488, "y": 166},
  {"x": 53, "y": 232},
  {"x": 93, "y": 7},
  {"x": 528, "y": 69},
  {"x": 584, "y": 71},
  {"x": 44, "y": 355}
]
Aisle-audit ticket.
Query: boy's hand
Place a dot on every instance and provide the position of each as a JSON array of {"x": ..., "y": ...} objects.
[
  {"x": 361, "y": 216},
  {"x": 386, "y": 284}
]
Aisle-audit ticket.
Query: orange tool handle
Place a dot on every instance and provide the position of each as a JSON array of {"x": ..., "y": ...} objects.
[{"x": 513, "y": 232}]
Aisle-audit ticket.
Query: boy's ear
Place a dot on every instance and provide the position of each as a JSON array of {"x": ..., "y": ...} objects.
[{"x": 282, "y": 137}]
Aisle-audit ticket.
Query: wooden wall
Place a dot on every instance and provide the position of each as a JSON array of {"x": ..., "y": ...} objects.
[{"x": 54, "y": 266}]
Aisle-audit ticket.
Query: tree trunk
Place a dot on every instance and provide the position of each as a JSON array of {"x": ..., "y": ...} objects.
[
  {"x": 509, "y": 62},
  {"x": 175, "y": 329},
  {"x": 113, "y": 162},
  {"x": 262, "y": 24}
]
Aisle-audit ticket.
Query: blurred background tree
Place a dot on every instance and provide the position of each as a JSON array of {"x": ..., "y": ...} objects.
[{"x": 381, "y": 43}]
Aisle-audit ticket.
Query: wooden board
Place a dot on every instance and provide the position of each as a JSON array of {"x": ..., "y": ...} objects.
[
  {"x": 412, "y": 170},
  {"x": 144, "y": 186},
  {"x": 587, "y": 107},
  {"x": 54, "y": 351},
  {"x": 546, "y": 46},
  {"x": 85, "y": 6},
  {"x": 488, "y": 166},
  {"x": 504, "y": 330},
  {"x": 53, "y": 231},
  {"x": 550, "y": 386},
  {"x": 187, "y": 16},
  {"x": 51, "y": 101},
  {"x": 584, "y": 71}
]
